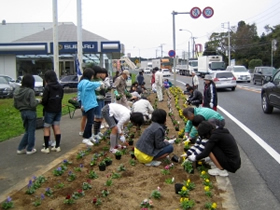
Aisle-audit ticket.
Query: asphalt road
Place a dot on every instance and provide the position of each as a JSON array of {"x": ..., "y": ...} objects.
[{"x": 256, "y": 184}]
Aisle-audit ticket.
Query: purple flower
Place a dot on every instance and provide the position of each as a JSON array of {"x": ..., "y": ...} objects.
[
  {"x": 34, "y": 178},
  {"x": 29, "y": 184},
  {"x": 70, "y": 172},
  {"x": 42, "y": 196},
  {"x": 59, "y": 168},
  {"x": 81, "y": 165},
  {"x": 9, "y": 199},
  {"x": 47, "y": 189}
]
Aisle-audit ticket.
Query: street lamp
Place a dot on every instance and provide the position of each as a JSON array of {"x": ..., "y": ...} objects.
[
  {"x": 192, "y": 38},
  {"x": 139, "y": 54}
]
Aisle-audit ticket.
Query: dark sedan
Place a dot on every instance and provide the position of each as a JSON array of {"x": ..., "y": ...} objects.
[
  {"x": 69, "y": 81},
  {"x": 271, "y": 93}
]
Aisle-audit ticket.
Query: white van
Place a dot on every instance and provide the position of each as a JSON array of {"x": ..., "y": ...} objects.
[{"x": 240, "y": 73}]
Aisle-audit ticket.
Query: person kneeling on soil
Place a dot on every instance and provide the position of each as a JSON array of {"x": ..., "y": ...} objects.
[
  {"x": 151, "y": 145},
  {"x": 221, "y": 148},
  {"x": 116, "y": 115}
]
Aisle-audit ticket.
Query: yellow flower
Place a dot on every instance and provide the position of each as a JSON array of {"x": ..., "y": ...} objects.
[
  {"x": 184, "y": 188},
  {"x": 207, "y": 180},
  {"x": 188, "y": 181},
  {"x": 207, "y": 188},
  {"x": 214, "y": 206},
  {"x": 181, "y": 200},
  {"x": 203, "y": 172},
  {"x": 186, "y": 199},
  {"x": 186, "y": 143},
  {"x": 199, "y": 162}
]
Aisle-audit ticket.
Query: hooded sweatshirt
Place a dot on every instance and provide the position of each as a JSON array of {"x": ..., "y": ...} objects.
[
  {"x": 52, "y": 97},
  {"x": 24, "y": 99}
]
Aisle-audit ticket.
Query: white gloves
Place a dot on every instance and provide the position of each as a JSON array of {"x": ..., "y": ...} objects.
[
  {"x": 211, "y": 105},
  {"x": 107, "y": 82},
  {"x": 122, "y": 138},
  {"x": 171, "y": 141},
  {"x": 192, "y": 158}
]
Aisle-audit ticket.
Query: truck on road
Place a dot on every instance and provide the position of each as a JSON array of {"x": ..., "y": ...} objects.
[
  {"x": 207, "y": 64},
  {"x": 188, "y": 68}
]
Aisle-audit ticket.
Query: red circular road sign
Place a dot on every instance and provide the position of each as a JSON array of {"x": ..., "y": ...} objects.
[
  {"x": 171, "y": 53},
  {"x": 208, "y": 12},
  {"x": 195, "y": 12}
]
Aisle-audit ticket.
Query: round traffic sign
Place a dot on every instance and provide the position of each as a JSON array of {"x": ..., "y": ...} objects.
[
  {"x": 208, "y": 12},
  {"x": 171, "y": 53},
  {"x": 195, "y": 12}
]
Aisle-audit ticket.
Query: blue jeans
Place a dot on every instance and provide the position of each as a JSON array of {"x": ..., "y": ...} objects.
[
  {"x": 88, "y": 129},
  {"x": 29, "y": 123},
  {"x": 166, "y": 150}
]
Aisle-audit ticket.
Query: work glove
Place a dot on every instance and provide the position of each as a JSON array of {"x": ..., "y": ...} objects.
[
  {"x": 122, "y": 138},
  {"x": 211, "y": 105},
  {"x": 192, "y": 158},
  {"x": 171, "y": 141},
  {"x": 107, "y": 82}
]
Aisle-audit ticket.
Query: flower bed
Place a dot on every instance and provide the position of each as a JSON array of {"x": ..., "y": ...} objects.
[{"x": 77, "y": 183}]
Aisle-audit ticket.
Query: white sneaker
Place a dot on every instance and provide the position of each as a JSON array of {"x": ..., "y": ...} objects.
[
  {"x": 153, "y": 163},
  {"x": 56, "y": 149},
  {"x": 19, "y": 152},
  {"x": 81, "y": 133},
  {"x": 87, "y": 142},
  {"x": 112, "y": 150},
  {"x": 218, "y": 172},
  {"x": 102, "y": 126},
  {"x": 31, "y": 152},
  {"x": 121, "y": 147},
  {"x": 44, "y": 150},
  {"x": 100, "y": 134},
  {"x": 97, "y": 137},
  {"x": 94, "y": 140}
]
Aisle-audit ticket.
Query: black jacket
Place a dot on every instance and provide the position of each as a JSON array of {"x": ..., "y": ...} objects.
[
  {"x": 52, "y": 97},
  {"x": 195, "y": 98},
  {"x": 210, "y": 95},
  {"x": 222, "y": 139}
]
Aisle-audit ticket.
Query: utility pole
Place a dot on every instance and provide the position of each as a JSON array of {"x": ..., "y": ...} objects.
[{"x": 223, "y": 26}]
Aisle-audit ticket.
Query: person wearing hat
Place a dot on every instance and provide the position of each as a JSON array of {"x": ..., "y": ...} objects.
[
  {"x": 210, "y": 98},
  {"x": 143, "y": 106},
  {"x": 120, "y": 88},
  {"x": 195, "y": 81}
]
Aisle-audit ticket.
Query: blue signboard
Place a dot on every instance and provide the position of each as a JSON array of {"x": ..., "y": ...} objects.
[{"x": 72, "y": 47}]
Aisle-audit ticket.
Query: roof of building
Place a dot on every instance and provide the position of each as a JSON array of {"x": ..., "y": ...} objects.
[{"x": 66, "y": 32}]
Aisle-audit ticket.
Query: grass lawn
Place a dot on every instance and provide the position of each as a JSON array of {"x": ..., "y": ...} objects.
[{"x": 10, "y": 118}]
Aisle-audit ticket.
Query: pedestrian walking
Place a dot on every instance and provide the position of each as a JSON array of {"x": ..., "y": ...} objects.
[
  {"x": 159, "y": 83},
  {"x": 26, "y": 103},
  {"x": 195, "y": 81}
]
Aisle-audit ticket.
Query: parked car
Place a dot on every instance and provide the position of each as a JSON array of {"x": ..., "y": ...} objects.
[
  {"x": 147, "y": 70},
  {"x": 69, "y": 81},
  {"x": 6, "y": 90},
  {"x": 240, "y": 73},
  {"x": 270, "y": 93},
  {"x": 38, "y": 87},
  {"x": 165, "y": 72},
  {"x": 10, "y": 80},
  {"x": 224, "y": 79},
  {"x": 261, "y": 72}
]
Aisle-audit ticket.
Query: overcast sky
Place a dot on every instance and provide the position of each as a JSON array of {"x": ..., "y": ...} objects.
[{"x": 142, "y": 26}]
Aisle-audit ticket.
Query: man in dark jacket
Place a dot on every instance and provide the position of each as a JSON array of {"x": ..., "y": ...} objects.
[
  {"x": 221, "y": 148},
  {"x": 210, "y": 93},
  {"x": 195, "y": 97},
  {"x": 140, "y": 78}
]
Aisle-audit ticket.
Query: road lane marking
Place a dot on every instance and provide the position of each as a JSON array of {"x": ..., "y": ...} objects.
[{"x": 261, "y": 142}]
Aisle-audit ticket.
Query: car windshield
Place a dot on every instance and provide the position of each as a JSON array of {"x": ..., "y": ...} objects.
[
  {"x": 3, "y": 80},
  {"x": 239, "y": 69},
  {"x": 224, "y": 75},
  {"x": 37, "y": 78},
  {"x": 268, "y": 71},
  {"x": 193, "y": 63},
  {"x": 217, "y": 66}
]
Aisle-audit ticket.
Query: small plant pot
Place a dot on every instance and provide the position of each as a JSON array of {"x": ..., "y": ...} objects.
[
  {"x": 102, "y": 167},
  {"x": 176, "y": 128},
  {"x": 108, "y": 162},
  {"x": 178, "y": 187},
  {"x": 175, "y": 159},
  {"x": 130, "y": 143},
  {"x": 186, "y": 149},
  {"x": 118, "y": 157},
  {"x": 132, "y": 155}
]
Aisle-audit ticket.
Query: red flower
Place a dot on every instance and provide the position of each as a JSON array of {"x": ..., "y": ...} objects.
[
  {"x": 80, "y": 191},
  {"x": 116, "y": 147},
  {"x": 68, "y": 196},
  {"x": 94, "y": 200},
  {"x": 88, "y": 181}
]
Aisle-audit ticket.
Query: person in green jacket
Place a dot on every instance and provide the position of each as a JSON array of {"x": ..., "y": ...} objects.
[{"x": 209, "y": 114}]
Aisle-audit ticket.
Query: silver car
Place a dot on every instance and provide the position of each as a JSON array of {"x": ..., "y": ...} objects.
[
  {"x": 224, "y": 79},
  {"x": 6, "y": 90}
]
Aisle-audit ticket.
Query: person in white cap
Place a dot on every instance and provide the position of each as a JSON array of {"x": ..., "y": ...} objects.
[
  {"x": 210, "y": 98},
  {"x": 120, "y": 88}
]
